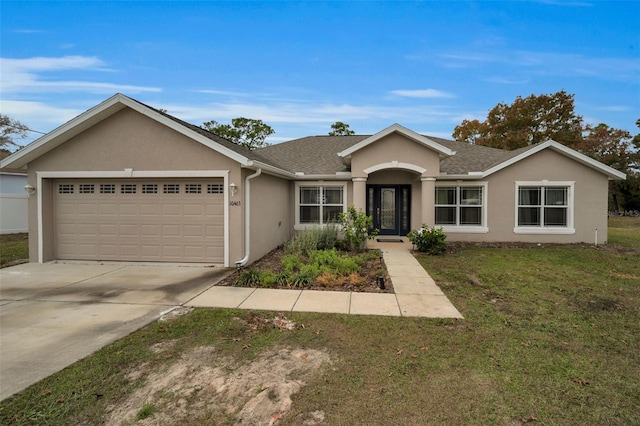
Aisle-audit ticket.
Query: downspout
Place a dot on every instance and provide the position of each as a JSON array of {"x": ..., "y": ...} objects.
[{"x": 247, "y": 218}]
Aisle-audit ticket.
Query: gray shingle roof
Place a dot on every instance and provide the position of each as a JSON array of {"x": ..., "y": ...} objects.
[
  {"x": 318, "y": 155},
  {"x": 312, "y": 155}
]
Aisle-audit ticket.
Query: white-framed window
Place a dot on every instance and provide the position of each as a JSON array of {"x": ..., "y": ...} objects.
[
  {"x": 544, "y": 207},
  {"x": 319, "y": 204},
  {"x": 461, "y": 207}
]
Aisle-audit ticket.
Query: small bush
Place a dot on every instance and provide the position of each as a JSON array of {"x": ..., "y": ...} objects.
[
  {"x": 248, "y": 278},
  {"x": 267, "y": 279},
  {"x": 319, "y": 238},
  {"x": 357, "y": 228},
  {"x": 428, "y": 240},
  {"x": 283, "y": 278},
  {"x": 302, "y": 243},
  {"x": 291, "y": 263},
  {"x": 354, "y": 279},
  {"x": 302, "y": 279},
  {"x": 328, "y": 237}
]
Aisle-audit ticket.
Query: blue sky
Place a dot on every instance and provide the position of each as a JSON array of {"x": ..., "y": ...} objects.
[{"x": 302, "y": 66}]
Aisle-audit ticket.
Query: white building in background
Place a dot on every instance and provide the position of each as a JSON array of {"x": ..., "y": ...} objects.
[{"x": 13, "y": 202}]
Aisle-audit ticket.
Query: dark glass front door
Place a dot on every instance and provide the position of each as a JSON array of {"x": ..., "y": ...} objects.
[{"x": 389, "y": 205}]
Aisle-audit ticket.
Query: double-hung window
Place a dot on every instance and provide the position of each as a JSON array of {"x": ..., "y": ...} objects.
[
  {"x": 461, "y": 208},
  {"x": 319, "y": 204},
  {"x": 544, "y": 207}
]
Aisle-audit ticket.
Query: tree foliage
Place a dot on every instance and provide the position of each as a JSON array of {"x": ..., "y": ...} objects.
[
  {"x": 247, "y": 132},
  {"x": 525, "y": 122},
  {"x": 340, "y": 129},
  {"x": 10, "y": 130}
]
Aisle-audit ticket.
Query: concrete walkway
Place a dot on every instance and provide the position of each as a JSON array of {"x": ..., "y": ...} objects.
[{"x": 416, "y": 294}]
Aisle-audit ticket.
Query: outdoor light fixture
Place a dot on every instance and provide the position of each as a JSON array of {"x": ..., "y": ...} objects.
[
  {"x": 30, "y": 189},
  {"x": 233, "y": 188}
]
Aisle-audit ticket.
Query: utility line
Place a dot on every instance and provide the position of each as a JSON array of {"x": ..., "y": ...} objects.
[{"x": 24, "y": 128}]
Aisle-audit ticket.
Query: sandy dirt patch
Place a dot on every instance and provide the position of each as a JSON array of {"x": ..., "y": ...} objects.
[{"x": 203, "y": 386}]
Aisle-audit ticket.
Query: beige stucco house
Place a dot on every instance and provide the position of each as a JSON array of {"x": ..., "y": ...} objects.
[{"x": 124, "y": 181}]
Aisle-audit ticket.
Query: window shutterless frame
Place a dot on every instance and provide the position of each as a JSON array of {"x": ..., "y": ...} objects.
[
  {"x": 461, "y": 207},
  {"x": 544, "y": 207},
  {"x": 319, "y": 203}
]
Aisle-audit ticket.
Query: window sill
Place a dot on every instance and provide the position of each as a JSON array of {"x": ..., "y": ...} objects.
[
  {"x": 311, "y": 226},
  {"x": 463, "y": 229},
  {"x": 544, "y": 231}
]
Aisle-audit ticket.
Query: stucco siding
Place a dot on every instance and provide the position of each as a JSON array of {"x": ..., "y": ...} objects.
[
  {"x": 395, "y": 147},
  {"x": 270, "y": 214},
  {"x": 590, "y": 200}
]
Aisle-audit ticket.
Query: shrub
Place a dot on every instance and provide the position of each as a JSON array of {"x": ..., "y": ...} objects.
[
  {"x": 267, "y": 279},
  {"x": 327, "y": 237},
  {"x": 283, "y": 278},
  {"x": 428, "y": 240},
  {"x": 302, "y": 243},
  {"x": 319, "y": 238},
  {"x": 291, "y": 263},
  {"x": 302, "y": 279},
  {"x": 248, "y": 278},
  {"x": 357, "y": 228}
]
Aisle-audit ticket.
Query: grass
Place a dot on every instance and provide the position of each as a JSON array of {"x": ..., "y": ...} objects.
[
  {"x": 550, "y": 336},
  {"x": 13, "y": 247}
]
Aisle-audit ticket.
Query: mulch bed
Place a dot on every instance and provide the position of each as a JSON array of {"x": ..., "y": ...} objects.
[{"x": 369, "y": 272}]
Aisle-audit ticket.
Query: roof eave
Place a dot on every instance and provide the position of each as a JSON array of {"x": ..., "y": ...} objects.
[{"x": 268, "y": 168}]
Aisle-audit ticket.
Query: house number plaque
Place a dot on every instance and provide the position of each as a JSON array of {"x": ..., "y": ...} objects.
[{"x": 234, "y": 203}]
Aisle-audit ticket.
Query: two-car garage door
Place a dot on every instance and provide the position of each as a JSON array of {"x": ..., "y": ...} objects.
[{"x": 179, "y": 220}]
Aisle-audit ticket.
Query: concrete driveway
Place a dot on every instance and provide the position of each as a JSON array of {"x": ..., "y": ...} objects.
[{"x": 54, "y": 314}]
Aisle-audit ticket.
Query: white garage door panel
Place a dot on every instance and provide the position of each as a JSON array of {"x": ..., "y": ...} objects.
[{"x": 182, "y": 221}]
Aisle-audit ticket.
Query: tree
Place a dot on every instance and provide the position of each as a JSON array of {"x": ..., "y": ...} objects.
[
  {"x": 247, "y": 132},
  {"x": 11, "y": 129},
  {"x": 615, "y": 148},
  {"x": 525, "y": 122},
  {"x": 340, "y": 129}
]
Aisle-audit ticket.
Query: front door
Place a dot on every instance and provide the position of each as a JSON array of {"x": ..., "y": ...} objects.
[{"x": 389, "y": 205}]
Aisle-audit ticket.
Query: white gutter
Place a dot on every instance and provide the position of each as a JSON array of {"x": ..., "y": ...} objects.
[{"x": 247, "y": 218}]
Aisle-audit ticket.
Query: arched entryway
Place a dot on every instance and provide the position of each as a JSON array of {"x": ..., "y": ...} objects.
[{"x": 389, "y": 199}]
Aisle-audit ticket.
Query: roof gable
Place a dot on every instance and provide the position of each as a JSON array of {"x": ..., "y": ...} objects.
[
  {"x": 108, "y": 108},
  {"x": 397, "y": 128},
  {"x": 521, "y": 154}
]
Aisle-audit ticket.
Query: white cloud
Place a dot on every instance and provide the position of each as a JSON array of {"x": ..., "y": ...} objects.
[
  {"x": 26, "y": 75},
  {"x": 307, "y": 112},
  {"x": 548, "y": 63},
  {"x": 29, "y": 112},
  {"x": 422, "y": 93}
]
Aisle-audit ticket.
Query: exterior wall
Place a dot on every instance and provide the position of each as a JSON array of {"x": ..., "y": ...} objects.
[
  {"x": 13, "y": 203},
  {"x": 590, "y": 200},
  {"x": 395, "y": 147},
  {"x": 126, "y": 140},
  {"x": 270, "y": 214}
]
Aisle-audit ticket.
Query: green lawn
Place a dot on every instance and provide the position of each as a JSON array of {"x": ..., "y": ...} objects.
[
  {"x": 550, "y": 336},
  {"x": 13, "y": 247}
]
